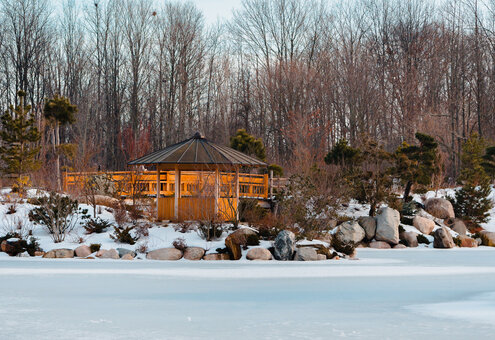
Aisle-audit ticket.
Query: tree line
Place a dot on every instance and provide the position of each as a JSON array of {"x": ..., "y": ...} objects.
[{"x": 300, "y": 75}]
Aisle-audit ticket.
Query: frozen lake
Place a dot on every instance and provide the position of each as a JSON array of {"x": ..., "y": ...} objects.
[{"x": 408, "y": 294}]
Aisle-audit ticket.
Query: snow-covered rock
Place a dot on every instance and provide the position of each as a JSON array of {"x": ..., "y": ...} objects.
[
  {"x": 387, "y": 225},
  {"x": 439, "y": 207}
]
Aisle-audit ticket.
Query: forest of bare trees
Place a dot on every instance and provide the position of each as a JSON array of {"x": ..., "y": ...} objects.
[{"x": 300, "y": 74}]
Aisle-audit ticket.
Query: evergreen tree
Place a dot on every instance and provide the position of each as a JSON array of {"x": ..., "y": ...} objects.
[
  {"x": 471, "y": 202},
  {"x": 248, "y": 144},
  {"x": 416, "y": 164},
  {"x": 342, "y": 154},
  {"x": 19, "y": 137},
  {"x": 59, "y": 112},
  {"x": 488, "y": 162}
]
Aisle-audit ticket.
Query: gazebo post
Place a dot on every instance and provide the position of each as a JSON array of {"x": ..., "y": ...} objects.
[
  {"x": 217, "y": 190},
  {"x": 177, "y": 192},
  {"x": 158, "y": 192},
  {"x": 237, "y": 193}
]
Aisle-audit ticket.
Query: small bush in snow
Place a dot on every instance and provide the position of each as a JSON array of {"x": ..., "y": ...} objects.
[
  {"x": 142, "y": 229},
  {"x": 59, "y": 214},
  {"x": 120, "y": 214},
  {"x": 184, "y": 227},
  {"x": 12, "y": 209},
  {"x": 123, "y": 235},
  {"x": 94, "y": 247},
  {"x": 96, "y": 226},
  {"x": 180, "y": 244},
  {"x": 210, "y": 230}
]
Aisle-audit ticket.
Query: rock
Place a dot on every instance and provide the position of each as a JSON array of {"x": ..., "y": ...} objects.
[
  {"x": 7, "y": 247},
  {"x": 400, "y": 246},
  {"x": 109, "y": 254},
  {"x": 284, "y": 245},
  {"x": 488, "y": 238},
  {"x": 459, "y": 227},
  {"x": 127, "y": 256},
  {"x": 439, "y": 207},
  {"x": 443, "y": 238},
  {"x": 423, "y": 224},
  {"x": 259, "y": 254},
  {"x": 124, "y": 251},
  {"x": 216, "y": 257},
  {"x": 39, "y": 253},
  {"x": 380, "y": 245},
  {"x": 410, "y": 238},
  {"x": 368, "y": 223},
  {"x": 332, "y": 224},
  {"x": 165, "y": 254},
  {"x": 306, "y": 254},
  {"x": 59, "y": 254},
  {"x": 326, "y": 237},
  {"x": 82, "y": 251},
  {"x": 238, "y": 238},
  {"x": 321, "y": 257},
  {"x": 350, "y": 232},
  {"x": 387, "y": 225},
  {"x": 194, "y": 253},
  {"x": 467, "y": 242}
]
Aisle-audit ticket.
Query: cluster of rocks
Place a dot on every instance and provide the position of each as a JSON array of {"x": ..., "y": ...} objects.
[{"x": 84, "y": 252}]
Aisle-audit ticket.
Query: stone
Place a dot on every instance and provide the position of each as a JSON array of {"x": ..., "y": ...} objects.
[
  {"x": 306, "y": 254},
  {"x": 259, "y": 254},
  {"x": 439, "y": 207},
  {"x": 443, "y": 239},
  {"x": 368, "y": 223},
  {"x": 400, "y": 246},
  {"x": 387, "y": 225},
  {"x": 423, "y": 224},
  {"x": 459, "y": 227},
  {"x": 82, "y": 251},
  {"x": 380, "y": 245},
  {"x": 238, "y": 238},
  {"x": 488, "y": 238},
  {"x": 410, "y": 238},
  {"x": 194, "y": 253},
  {"x": 49, "y": 254},
  {"x": 165, "y": 254},
  {"x": 7, "y": 247},
  {"x": 124, "y": 251},
  {"x": 321, "y": 257},
  {"x": 39, "y": 253},
  {"x": 127, "y": 256},
  {"x": 234, "y": 249},
  {"x": 350, "y": 232},
  {"x": 216, "y": 257},
  {"x": 467, "y": 242},
  {"x": 64, "y": 253},
  {"x": 109, "y": 254},
  {"x": 284, "y": 245}
]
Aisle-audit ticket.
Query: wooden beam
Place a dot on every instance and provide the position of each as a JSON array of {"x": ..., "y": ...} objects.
[
  {"x": 177, "y": 192},
  {"x": 158, "y": 192},
  {"x": 217, "y": 189},
  {"x": 237, "y": 193}
]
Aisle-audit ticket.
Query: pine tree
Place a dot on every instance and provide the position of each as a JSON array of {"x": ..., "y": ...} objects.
[
  {"x": 416, "y": 164},
  {"x": 471, "y": 202},
  {"x": 488, "y": 162},
  {"x": 342, "y": 154},
  {"x": 248, "y": 144},
  {"x": 19, "y": 137}
]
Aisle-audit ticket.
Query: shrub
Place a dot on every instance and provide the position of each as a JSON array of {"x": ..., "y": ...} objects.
[
  {"x": 184, "y": 227},
  {"x": 250, "y": 211},
  {"x": 21, "y": 245},
  {"x": 142, "y": 229},
  {"x": 59, "y": 214},
  {"x": 409, "y": 208},
  {"x": 457, "y": 241},
  {"x": 96, "y": 226},
  {"x": 422, "y": 239},
  {"x": 142, "y": 248},
  {"x": 12, "y": 209},
  {"x": 120, "y": 214},
  {"x": 252, "y": 240},
  {"x": 123, "y": 235},
  {"x": 210, "y": 230},
  {"x": 94, "y": 247},
  {"x": 180, "y": 244},
  {"x": 342, "y": 247}
]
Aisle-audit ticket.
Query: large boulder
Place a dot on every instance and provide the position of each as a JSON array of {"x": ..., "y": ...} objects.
[
  {"x": 488, "y": 238},
  {"x": 194, "y": 253},
  {"x": 439, "y": 207},
  {"x": 217, "y": 257},
  {"x": 165, "y": 254},
  {"x": 59, "y": 254},
  {"x": 82, "y": 251},
  {"x": 400, "y": 246},
  {"x": 350, "y": 232},
  {"x": 443, "y": 238},
  {"x": 306, "y": 254},
  {"x": 109, "y": 254},
  {"x": 467, "y": 242},
  {"x": 259, "y": 254},
  {"x": 459, "y": 227},
  {"x": 387, "y": 225},
  {"x": 368, "y": 223},
  {"x": 238, "y": 238},
  {"x": 423, "y": 224},
  {"x": 379, "y": 245},
  {"x": 410, "y": 238},
  {"x": 284, "y": 245}
]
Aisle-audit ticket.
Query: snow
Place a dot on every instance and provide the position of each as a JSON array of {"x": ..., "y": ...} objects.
[{"x": 403, "y": 294}]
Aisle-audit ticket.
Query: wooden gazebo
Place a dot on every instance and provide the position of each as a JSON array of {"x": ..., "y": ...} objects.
[{"x": 200, "y": 180}]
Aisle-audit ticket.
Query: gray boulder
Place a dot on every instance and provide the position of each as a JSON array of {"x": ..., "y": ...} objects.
[
  {"x": 459, "y": 227},
  {"x": 194, "y": 253},
  {"x": 284, "y": 245},
  {"x": 306, "y": 254},
  {"x": 368, "y": 223},
  {"x": 165, "y": 254},
  {"x": 262, "y": 254},
  {"x": 387, "y": 225},
  {"x": 423, "y": 224},
  {"x": 124, "y": 251},
  {"x": 443, "y": 239},
  {"x": 82, "y": 251},
  {"x": 410, "y": 238},
  {"x": 439, "y": 207},
  {"x": 350, "y": 232}
]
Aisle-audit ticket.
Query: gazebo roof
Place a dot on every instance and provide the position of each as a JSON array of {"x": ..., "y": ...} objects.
[{"x": 198, "y": 150}]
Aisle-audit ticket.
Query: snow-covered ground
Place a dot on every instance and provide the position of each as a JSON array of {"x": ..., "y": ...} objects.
[{"x": 406, "y": 294}]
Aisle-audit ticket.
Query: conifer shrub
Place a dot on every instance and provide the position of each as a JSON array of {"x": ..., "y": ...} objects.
[
  {"x": 123, "y": 235},
  {"x": 96, "y": 226},
  {"x": 347, "y": 248}
]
